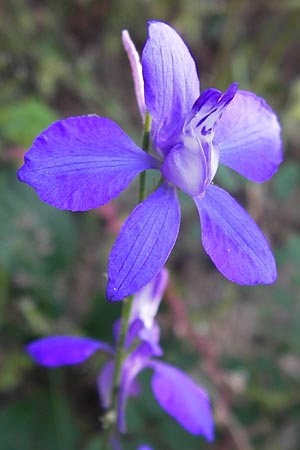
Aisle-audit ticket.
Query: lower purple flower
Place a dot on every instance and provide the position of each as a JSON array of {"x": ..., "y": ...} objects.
[
  {"x": 175, "y": 392},
  {"x": 83, "y": 162}
]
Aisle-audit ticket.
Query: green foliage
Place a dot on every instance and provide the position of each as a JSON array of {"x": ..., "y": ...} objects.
[
  {"x": 32, "y": 229},
  {"x": 42, "y": 420},
  {"x": 286, "y": 181},
  {"x": 20, "y": 122}
]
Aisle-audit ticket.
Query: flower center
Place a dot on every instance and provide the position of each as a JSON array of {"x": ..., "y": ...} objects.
[{"x": 192, "y": 163}]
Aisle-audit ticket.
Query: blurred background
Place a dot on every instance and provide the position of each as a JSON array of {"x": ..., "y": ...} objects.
[{"x": 59, "y": 59}]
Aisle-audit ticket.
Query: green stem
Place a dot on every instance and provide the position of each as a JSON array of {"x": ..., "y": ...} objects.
[
  {"x": 145, "y": 146},
  {"x": 110, "y": 419},
  {"x": 119, "y": 356}
]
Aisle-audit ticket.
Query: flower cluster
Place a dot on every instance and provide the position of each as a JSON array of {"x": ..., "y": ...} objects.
[
  {"x": 176, "y": 393},
  {"x": 83, "y": 162}
]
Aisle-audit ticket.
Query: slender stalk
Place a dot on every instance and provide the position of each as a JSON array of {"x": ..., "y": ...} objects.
[
  {"x": 119, "y": 356},
  {"x": 110, "y": 419},
  {"x": 145, "y": 146}
]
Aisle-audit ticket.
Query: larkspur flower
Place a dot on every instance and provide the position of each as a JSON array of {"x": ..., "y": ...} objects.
[
  {"x": 175, "y": 392},
  {"x": 83, "y": 162}
]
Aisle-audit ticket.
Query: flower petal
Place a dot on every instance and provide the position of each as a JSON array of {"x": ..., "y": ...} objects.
[
  {"x": 151, "y": 336},
  {"x": 183, "y": 399},
  {"x": 192, "y": 164},
  {"x": 198, "y": 135},
  {"x": 208, "y": 109},
  {"x": 144, "y": 243},
  {"x": 105, "y": 382},
  {"x": 82, "y": 162},
  {"x": 233, "y": 240},
  {"x": 56, "y": 351},
  {"x": 133, "y": 364},
  {"x": 171, "y": 83},
  {"x": 186, "y": 166},
  {"x": 146, "y": 302},
  {"x": 248, "y": 137}
]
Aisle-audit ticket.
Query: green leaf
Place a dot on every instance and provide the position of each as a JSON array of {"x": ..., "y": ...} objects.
[
  {"x": 32, "y": 232},
  {"x": 285, "y": 180},
  {"x": 94, "y": 444},
  {"x": 40, "y": 421},
  {"x": 22, "y": 121}
]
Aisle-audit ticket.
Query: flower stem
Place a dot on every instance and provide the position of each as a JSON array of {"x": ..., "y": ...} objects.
[
  {"x": 145, "y": 146},
  {"x": 119, "y": 356},
  {"x": 112, "y": 415},
  {"x": 110, "y": 421}
]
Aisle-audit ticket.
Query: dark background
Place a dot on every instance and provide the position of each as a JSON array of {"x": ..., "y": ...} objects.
[{"x": 61, "y": 58}]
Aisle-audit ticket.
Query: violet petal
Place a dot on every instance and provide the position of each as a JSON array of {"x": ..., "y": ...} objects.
[
  {"x": 56, "y": 351},
  {"x": 208, "y": 109},
  {"x": 248, "y": 137},
  {"x": 105, "y": 382},
  {"x": 132, "y": 366},
  {"x": 82, "y": 162},
  {"x": 186, "y": 167},
  {"x": 198, "y": 135},
  {"x": 171, "y": 83},
  {"x": 183, "y": 399},
  {"x": 144, "y": 243},
  {"x": 233, "y": 240}
]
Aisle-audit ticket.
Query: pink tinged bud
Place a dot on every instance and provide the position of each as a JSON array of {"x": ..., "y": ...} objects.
[{"x": 136, "y": 69}]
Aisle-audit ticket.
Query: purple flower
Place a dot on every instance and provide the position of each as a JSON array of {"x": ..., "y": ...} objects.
[
  {"x": 175, "y": 392},
  {"x": 83, "y": 162}
]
